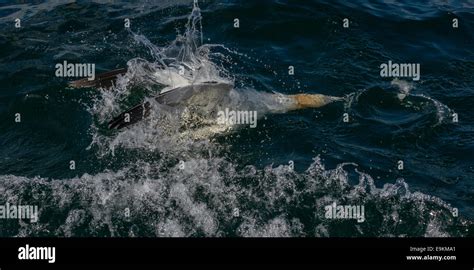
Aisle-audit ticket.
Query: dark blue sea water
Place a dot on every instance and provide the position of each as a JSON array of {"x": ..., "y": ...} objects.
[{"x": 241, "y": 183}]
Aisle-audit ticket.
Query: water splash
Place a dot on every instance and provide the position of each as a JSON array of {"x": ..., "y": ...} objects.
[
  {"x": 443, "y": 112},
  {"x": 404, "y": 99},
  {"x": 201, "y": 198},
  {"x": 185, "y": 61},
  {"x": 404, "y": 86}
]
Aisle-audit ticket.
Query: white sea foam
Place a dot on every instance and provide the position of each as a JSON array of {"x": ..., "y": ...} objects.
[{"x": 200, "y": 200}]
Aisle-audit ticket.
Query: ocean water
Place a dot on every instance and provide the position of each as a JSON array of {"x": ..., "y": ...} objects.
[{"x": 162, "y": 178}]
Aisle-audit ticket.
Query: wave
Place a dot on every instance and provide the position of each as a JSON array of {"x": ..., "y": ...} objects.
[{"x": 213, "y": 197}]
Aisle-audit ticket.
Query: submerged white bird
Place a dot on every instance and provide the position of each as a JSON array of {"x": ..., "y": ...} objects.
[
  {"x": 207, "y": 98},
  {"x": 192, "y": 83}
]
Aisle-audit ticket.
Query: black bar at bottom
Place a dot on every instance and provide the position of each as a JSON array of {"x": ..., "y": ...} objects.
[{"x": 244, "y": 250}]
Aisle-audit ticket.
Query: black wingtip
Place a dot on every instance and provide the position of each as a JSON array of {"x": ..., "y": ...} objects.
[
  {"x": 103, "y": 80},
  {"x": 130, "y": 116}
]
